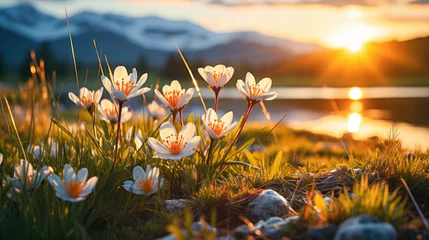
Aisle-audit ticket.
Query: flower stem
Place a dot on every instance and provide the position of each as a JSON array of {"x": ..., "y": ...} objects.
[
  {"x": 216, "y": 100},
  {"x": 210, "y": 151},
  {"x": 173, "y": 114},
  {"x": 250, "y": 105},
  {"x": 181, "y": 117},
  {"x": 121, "y": 104}
]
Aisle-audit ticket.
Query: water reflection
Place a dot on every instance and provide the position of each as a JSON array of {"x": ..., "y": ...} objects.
[
  {"x": 353, "y": 122},
  {"x": 355, "y": 119}
]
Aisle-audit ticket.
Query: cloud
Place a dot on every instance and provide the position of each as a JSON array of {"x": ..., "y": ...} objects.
[
  {"x": 420, "y": 2},
  {"x": 337, "y": 3}
]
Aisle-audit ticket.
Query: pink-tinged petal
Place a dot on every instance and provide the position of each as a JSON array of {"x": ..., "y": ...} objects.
[
  {"x": 138, "y": 173},
  {"x": 192, "y": 143},
  {"x": 229, "y": 129},
  {"x": 211, "y": 116},
  {"x": 202, "y": 73},
  {"x": 74, "y": 98},
  {"x": 211, "y": 133},
  {"x": 142, "y": 80},
  {"x": 167, "y": 129},
  {"x": 175, "y": 85},
  {"x": 120, "y": 95},
  {"x": 107, "y": 84},
  {"x": 222, "y": 81},
  {"x": 271, "y": 96},
  {"x": 187, "y": 132},
  {"x": 265, "y": 84},
  {"x": 242, "y": 88},
  {"x": 120, "y": 74},
  {"x": 230, "y": 72},
  {"x": 227, "y": 118},
  {"x": 157, "y": 146},
  {"x": 98, "y": 95},
  {"x": 133, "y": 76},
  {"x": 138, "y": 92},
  {"x": 249, "y": 80},
  {"x": 210, "y": 80},
  {"x": 82, "y": 175},
  {"x": 166, "y": 88},
  {"x": 162, "y": 99},
  {"x": 89, "y": 186}
]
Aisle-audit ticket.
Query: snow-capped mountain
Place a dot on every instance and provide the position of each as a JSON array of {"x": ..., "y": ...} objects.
[{"x": 147, "y": 33}]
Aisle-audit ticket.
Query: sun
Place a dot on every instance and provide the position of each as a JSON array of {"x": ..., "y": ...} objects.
[{"x": 351, "y": 37}]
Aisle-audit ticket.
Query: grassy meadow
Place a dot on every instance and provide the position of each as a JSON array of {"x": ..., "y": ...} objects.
[{"x": 218, "y": 176}]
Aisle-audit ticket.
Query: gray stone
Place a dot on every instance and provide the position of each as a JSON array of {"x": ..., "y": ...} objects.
[
  {"x": 273, "y": 228},
  {"x": 268, "y": 204},
  {"x": 365, "y": 227},
  {"x": 175, "y": 206}
]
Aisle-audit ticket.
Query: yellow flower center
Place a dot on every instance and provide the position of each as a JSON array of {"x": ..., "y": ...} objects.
[
  {"x": 125, "y": 86},
  {"x": 174, "y": 143},
  {"x": 73, "y": 188},
  {"x": 217, "y": 126},
  {"x": 173, "y": 97},
  {"x": 110, "y": 112},
  {"x": 146, "y": 185},
  {"x": 255, "y": 90},
  {"x": 86, "y": 100}
]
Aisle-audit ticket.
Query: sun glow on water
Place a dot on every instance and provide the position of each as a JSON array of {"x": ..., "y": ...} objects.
[
  {"x": 354, "y": 122},
  {"x": 355, "y": 93}
]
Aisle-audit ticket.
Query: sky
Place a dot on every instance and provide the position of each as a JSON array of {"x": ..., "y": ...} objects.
[{"x": 335, "y": 23}]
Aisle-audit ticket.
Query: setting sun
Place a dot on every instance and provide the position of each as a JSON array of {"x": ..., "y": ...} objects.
[{"x": 351, "y": 37}]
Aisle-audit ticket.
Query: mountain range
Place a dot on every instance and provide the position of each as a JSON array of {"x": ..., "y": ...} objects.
[{"x": 125, "y": 39}]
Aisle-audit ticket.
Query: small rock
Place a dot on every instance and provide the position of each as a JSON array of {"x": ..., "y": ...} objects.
[
  {"x": 273, "y": 228},
  {"x": 365, "y": 227},
  {"x": 175, "y": 206},
  {"x": 268, "y": 204}
]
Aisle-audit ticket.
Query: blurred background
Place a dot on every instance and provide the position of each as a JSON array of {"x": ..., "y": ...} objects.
[{"x": 340, "y": 66}]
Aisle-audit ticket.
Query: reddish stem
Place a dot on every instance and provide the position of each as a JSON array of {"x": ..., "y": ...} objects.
[
  {"x": 181, "y": 117},
  {"x": 216, "y": 103},
  {"x": 173, "y": 113},
  {"x": 250, "y": 105}
]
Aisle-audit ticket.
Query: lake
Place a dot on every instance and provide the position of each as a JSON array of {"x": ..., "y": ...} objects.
[{"x": 332, "y": 111}]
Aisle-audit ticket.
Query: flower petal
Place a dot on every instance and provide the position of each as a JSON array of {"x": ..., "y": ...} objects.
[
  {"x": 227, "y": 118},
  {"x": 157, "y": 146},
  {"x": 193, "y": 143},
  {"x": 138, "y": 173},
  {"x": 265, "y": 84},
  {"x": 167, "y": 129},
  {"x": 89, "y": 186},
  {"x": 82, "y": 175},
  {"x": 107, "y": 84},
  {"x": 187, "y": 132},
  {"x": 74, "y": 98},
  {"x": 120, "y": 74},
  {"x": 68, "y": 173}
]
